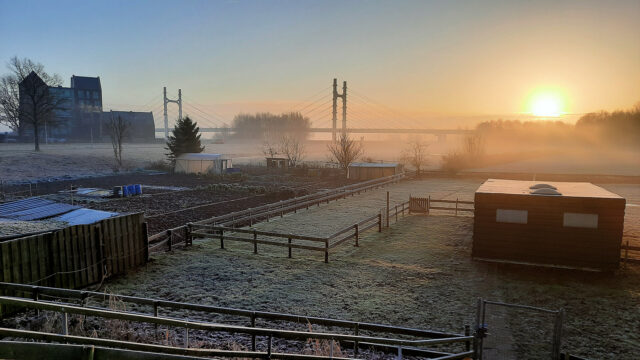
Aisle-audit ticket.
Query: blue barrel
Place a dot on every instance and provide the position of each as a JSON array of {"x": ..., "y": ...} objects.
[
  {"x": 125, "y": 190},
  {"x": 131, "y": 189},
  {"x": 138, "y": 189}
]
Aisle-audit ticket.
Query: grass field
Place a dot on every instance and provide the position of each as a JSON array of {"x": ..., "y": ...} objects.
[{"x": 417, "y": 273}]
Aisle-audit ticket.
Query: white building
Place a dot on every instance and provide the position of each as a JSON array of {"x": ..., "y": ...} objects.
[{"x": 198, "y": 163}]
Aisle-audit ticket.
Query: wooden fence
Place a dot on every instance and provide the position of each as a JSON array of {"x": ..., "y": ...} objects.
[
  {"x": 166, "y": 240},
  {"x": 424, "y": 205},
  {"x": 76, "y": 256}
]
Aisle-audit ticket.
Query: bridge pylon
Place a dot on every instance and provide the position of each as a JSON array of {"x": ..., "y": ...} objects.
[{"x": 334, "y": 119}]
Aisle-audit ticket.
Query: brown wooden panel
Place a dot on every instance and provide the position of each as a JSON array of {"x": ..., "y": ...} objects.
[
  {"x": 6, "y": 261},
  {"x": 16, "y": 258},
  {"x": 68, "y": 247}
]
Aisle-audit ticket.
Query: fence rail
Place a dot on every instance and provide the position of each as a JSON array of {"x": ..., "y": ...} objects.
[
  {"x": 265, "y": 212},
  {"x": 425, "y": 204},
  {"x": 426, "y": 337}
]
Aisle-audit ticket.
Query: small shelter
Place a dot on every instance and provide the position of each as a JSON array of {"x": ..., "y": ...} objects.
[
  {"x": 198, "y": 163},
  {"x": 566, "y": 224},
  {"x": 277, "y": 162},
  {"x": 368, "y": 171}
]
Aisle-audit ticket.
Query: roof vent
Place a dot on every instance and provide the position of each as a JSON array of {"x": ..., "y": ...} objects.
[
  {"x": 545, "y": 191},
  {"x": 543, "y": 186}
]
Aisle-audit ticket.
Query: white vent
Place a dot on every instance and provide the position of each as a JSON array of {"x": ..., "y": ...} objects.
[
  {"x": 542, "y": 186},
  {"x": 545, "y": 191},
  {"x": 512, "y": 216}
]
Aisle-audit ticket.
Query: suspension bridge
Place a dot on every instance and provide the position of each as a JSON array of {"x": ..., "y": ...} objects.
[{"x": 363, "y": 115}]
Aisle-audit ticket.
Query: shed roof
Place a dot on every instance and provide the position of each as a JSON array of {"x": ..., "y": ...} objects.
[
  {"x": 34, "y": 209},
  {"x": 373, "y": 165},
  {"x": 200, "y": 156},
  {"x": 566, "y": 189},
  {"x": 84, "y": 216}
]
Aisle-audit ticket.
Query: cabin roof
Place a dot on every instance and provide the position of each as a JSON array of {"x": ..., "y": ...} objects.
[
  {"x": 373, "y": 165},
  {"x": 565, "y": 189},
  {"x": 200, "y": 156}
]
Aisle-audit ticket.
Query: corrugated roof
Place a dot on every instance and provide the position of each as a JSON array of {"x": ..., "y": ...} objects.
[
  {"x": 375, "y": 165},
  {"x": 567, "y": 189},
  {"x": 34, "y": 209},
  {"x": 84, "y": 216},
  {"x": 200, "y": 156}
]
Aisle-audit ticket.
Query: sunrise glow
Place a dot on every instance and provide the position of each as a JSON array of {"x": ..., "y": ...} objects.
[{"x": 547, "y": 103}]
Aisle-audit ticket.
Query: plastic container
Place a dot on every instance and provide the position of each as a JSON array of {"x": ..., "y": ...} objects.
[
  {"x": 117, "y": 191},
  {"x": 125, "y": 190},
  {"x": 138, "y": 188},
  {"x": 131, "y": 190}
]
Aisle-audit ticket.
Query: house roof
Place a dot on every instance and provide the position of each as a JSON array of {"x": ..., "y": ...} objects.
[
  {"x": 545, "y": 188},
  {"x": 373, "y": 165},
  {"x": 85, "y": 82},
  {"x": 200, "y": 156}
]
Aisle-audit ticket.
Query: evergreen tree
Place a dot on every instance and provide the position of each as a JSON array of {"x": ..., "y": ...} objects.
[{"x": 184, "y": 138}]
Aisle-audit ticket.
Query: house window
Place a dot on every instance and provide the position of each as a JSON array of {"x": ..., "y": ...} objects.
[
  {"x": 512, "y": 216},
  {"x": 95, "y": 95},
  {"x": 589, "y": 221}
]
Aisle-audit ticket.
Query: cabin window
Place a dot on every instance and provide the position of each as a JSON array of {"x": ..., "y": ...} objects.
[
  {"x": 589, "y": 221},
  {"x": 512, "y": 216}
]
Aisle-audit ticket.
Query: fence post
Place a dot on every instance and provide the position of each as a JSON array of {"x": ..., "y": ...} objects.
[
  {"x": 356, "y": 344},
  {"x": 326, "y": 250},
  {"x": 396, "y": 213},
  {"x": 467, "y": 332},
  {"x": 387, "y": 219},
  {"x": 380, "y": 222},
  {"x": 221, "y": 238},
  {"x": 428, "y": 203},
  {"x": 170, "y": 239},
  {"x": 269, "y": 347},
  {"x": 255, "y": 241},
  {"x": 155, "y": 314},
  {"x": 289, "y": 247},
  {"x": 357, "y": 234},
  {"x": 253, "y": 336},
  {"x": 187, "y": 238},
  {"x": 65, "y": 324},
  {"x": 456, "y": 206}
]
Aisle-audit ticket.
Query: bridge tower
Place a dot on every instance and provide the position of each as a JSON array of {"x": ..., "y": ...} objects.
[
  {"x": 166, "y": 117},
  {"x": 336, "y": 95}
]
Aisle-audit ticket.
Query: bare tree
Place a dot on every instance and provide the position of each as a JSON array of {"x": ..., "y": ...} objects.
[
  {"x": 345, "y": 150},
  {"x": 292, "y": 148},
  {"x": 416, "y": 154},
  {"x": 117, "y": 131},
  {"x": 37, "y": 105},
  {"x": 19, "y": 69}
]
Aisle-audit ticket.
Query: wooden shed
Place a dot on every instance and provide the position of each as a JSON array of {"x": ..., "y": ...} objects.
[
  {"x": 368, "y": 171},
  {"x": 198, "y": 163},
  {"x": 566, "y": 224}
]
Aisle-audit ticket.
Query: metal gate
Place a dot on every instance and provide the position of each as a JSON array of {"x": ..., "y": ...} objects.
[{"x": 511, "y": 331}]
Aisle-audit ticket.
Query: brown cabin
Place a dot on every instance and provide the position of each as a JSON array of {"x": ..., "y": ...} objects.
[
  {"x": 368, "y": 171},
  {"x": 565, "y": 224}
]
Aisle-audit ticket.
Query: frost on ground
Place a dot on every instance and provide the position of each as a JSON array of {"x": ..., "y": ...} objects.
[{"x": 417, "y": 273}]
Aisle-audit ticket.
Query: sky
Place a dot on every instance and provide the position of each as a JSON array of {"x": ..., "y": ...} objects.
[{"x": 426, "y": 60}]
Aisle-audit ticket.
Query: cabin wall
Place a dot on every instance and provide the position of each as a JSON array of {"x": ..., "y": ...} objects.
[{"x": 544, "y": 238}]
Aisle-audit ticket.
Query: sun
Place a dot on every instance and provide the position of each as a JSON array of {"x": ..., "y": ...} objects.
[{"x": 547, "y": 103}]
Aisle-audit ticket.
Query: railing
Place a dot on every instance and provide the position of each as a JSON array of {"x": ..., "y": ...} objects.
[
  {"x": 166, "y": 239},
  {"x": 354, "y": 232},
  {"x": 424, "y": 205},
  {"x": 409, "y": 346}
]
